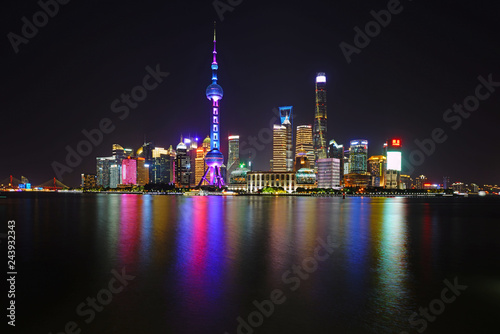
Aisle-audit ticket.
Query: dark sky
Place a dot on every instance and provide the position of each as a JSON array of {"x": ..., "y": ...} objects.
[{"x": 426, "y": 59}]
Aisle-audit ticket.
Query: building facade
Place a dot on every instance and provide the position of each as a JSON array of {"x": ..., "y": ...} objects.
[
  {"x": 260, "y": 180},
  {"x": 129, "y": 171},
  {"x": 376, "y": 168},
  {"x": 358, "y": 156},
  {"x": 328, "y": 173},
  {"x": 233, "y": 156},
  {"x": 304, "y": 143},
  {"x": 320, "y": 116},
  {"x": 337, "y": 151}
]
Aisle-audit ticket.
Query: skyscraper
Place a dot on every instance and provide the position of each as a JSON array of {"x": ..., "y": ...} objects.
[
  {"x": 304, "y": 141},
  {"x": 319, "y": 131},
  {"x": 182, "y": 170},
  {"x": 278, "y": 163},
  {"x": 214, "y": 159},
  {"x": 393, "y": 172},
  {"x": 161, "y": 167},
  {"x": 358, "y": 154},
  {"x": 376, "y": 168},
  {"x": 286, "y": 114},
  {"x": 337, "y": 151},
  {"x": 142, "y": 171},
  {"x": 328, "y": 173},
  {"x": 129, "y": 171},
  {"x": 233, "y": 158},
  {"x": 201, "y": 166},
  {"x": 103, "y": 173}
]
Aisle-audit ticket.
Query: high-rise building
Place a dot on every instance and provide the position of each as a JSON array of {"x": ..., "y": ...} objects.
[
  {"x": 328, "y": 173},
  {"x": 89, "y": 181},
  {"x": 142, "y": 171},
  {"x": 286, "y": 118},
  {"x": 420, "y": 181},
  {"x": 201, "y": 166},
  {"x": 406, "y": 181},
  {"x": 233, "y": 157},
  {"x": 393, "y": 149},
  {"x": 376, "y": 168},
  {"x": 191, "y": 147},
  {"x": 358, "y": 154},
  {"x": 160, "y": 170},
  {"x": 214, "y": 159},
  {"x": 115, "y": 174},
  {"x": 346, "y": 165},
  {"x": 103, "y": 174},
  {"x": 301, "y": 161},
  {"x": 320, "y": 116},
  {"x": 446, "y": 182},
  {"x": 337, "y": 151},
  {"x": 182, "y": 166},
  {"x": 304, "y": 141},
  {"x": 282, "y": 142},
  {"x": 279, "y": 161},
  {"x": 129, "y": 171}
]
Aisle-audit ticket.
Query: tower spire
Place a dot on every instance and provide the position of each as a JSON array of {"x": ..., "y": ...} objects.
[{"x": 215, "y": 44}]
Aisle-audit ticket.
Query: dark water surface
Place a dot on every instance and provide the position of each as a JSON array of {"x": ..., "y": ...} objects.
[{"x": 194, "y": 265}]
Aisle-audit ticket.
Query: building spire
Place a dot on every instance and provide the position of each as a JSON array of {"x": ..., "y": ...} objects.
[{"x": 215, "y": 43}]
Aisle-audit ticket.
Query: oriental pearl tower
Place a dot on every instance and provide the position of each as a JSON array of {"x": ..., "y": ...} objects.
[{"x": 214, "y": 157}]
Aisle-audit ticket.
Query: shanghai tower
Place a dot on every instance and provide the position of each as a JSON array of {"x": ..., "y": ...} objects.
[
  {"x": 319, "y": 130},
  {"x": 214, "y": 158}
]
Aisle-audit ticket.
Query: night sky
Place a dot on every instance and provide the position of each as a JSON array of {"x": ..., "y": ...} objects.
[{"x": 429, "y": 57}]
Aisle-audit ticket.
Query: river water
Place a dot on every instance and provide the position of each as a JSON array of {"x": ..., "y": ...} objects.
[{"x": 118, "y": 263}]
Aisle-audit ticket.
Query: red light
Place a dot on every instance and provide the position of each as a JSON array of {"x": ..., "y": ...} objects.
[
  {"x": 396, "y": 142},
  {"x": 427, "y": 184}
]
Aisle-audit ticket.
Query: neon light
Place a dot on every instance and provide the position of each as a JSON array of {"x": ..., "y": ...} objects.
[
  {"x": 394, "y": 161},
  {"x": 396, "y": 142}
]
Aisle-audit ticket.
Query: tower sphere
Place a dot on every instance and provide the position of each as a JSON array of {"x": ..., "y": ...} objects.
[
  {"x": 214, "y": 92},
  {"x": 214, "y": 158}
]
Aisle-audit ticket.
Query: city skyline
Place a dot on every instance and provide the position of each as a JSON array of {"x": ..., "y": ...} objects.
[{"x": 408, "y": 104}]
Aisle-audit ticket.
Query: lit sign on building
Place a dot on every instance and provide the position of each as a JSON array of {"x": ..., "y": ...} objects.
[
  {"x": 321, "y": 79},
  {"x": 396, "y": 142},
  {"x": 394, "y": 161}
]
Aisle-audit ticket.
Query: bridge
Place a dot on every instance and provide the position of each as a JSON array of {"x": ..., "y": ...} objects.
[{"x": 13, "y": 183}]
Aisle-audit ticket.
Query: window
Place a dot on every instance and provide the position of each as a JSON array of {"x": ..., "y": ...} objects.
[
  {"x": 215, "y": 129},
  {"x": 216, "y": 119}
]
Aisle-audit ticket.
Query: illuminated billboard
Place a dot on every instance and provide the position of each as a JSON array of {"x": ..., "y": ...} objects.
[{"x": 394, "y": 161}]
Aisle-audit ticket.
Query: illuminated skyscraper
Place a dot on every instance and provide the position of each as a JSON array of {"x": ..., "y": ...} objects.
[
  {"x": 103, "y": 172},
  {"x": 319, "y": 131},
  {"x": 182, "y": 170},
  {"x": 358, "y": 155},
  {"x": 233, "y": 157},
  {"x": 376, "y": 168},
  {"x": 392, "y": 178},
  {"x": 304, "y": 141},
  {"x": 129, "y": 171},
  {"x": 328, "y": 173},
  {"x": 142, "y": 171},
  {"x": 161, "y": 167},
  {"x": 278, "y": 163},
  {"x": 286, "y": 115},
  {"x": 337, "y": 151},
  {"x": 201, "y": 166},
  {"x": 214, "y": 159}
]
